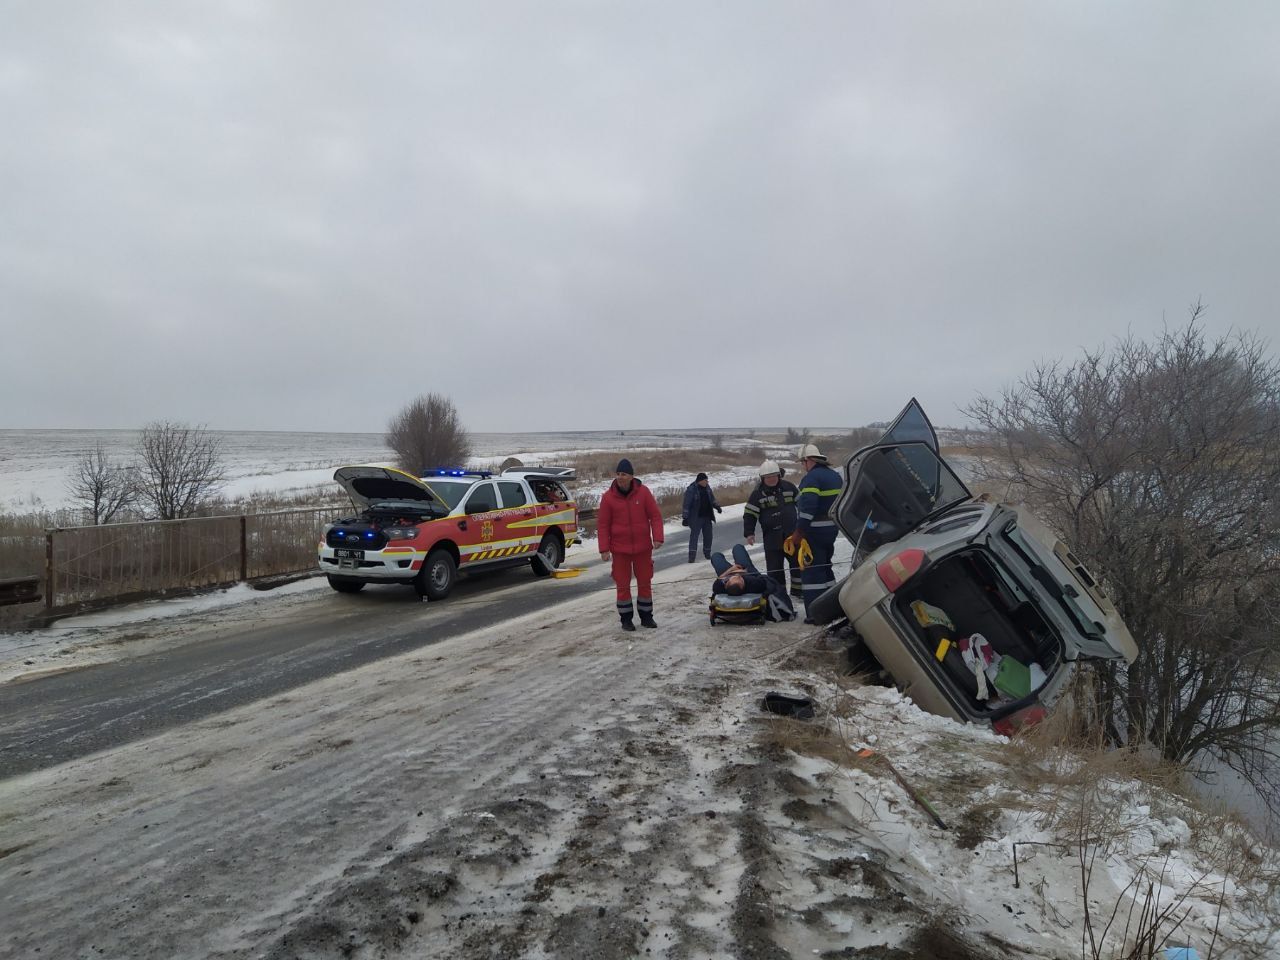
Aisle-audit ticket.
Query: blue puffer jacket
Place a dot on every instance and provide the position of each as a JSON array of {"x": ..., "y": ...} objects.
[{"x": 693, "y": 513}]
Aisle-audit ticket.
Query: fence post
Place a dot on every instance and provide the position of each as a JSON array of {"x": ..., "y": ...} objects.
[
  {"x": 48, "y": 569},
  {"x": 244, "y": 552}
]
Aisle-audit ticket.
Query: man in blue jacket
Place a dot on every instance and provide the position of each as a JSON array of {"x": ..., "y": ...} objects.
[
  {"x": 818, "y": 492},
  {"x": 698, "y": 514}
]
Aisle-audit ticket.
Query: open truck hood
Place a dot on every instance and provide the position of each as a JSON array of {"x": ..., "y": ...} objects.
[{"x": 366, "y": 485}]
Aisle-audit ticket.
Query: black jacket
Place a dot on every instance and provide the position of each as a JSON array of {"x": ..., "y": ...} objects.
[{"x": 775, "y": 509}]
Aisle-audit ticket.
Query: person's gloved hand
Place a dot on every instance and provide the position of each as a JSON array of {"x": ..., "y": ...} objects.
[
  {"x": 684, "y": 522},
  {"x": 719, "y": 509},
  {"x": 790, "y": 544}
]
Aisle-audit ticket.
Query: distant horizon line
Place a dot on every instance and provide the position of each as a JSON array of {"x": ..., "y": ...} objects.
[{"x": 373, "y": 433}]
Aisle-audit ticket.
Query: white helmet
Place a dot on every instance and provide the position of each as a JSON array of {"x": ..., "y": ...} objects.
[
  {"x": 768, "y": 467},
  {"x": 810, "y": 452}
]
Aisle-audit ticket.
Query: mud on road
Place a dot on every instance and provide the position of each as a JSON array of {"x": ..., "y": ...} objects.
[{"x": 547, "y": 788}]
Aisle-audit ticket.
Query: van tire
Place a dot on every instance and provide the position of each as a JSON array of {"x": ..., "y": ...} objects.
[
  {"x": 438, "y": 574},
  {"x": 346, "y": 584},
  {"x": 826, "y": 606}
]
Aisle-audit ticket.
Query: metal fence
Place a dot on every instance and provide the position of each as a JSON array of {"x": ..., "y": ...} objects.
[{"x": 118, "y": 561}]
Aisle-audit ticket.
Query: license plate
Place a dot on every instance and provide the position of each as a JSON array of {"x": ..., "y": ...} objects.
[{"x": 344, "y": 553}]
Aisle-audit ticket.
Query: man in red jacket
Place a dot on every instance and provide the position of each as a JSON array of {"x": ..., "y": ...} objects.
[{"x": 629, "y": 528}]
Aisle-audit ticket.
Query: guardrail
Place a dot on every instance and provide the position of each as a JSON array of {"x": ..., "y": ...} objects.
[
  {"x": 119, "y": 561},
  {"x": 128, "y": 561},
  {"x": 19, "y": 590}
]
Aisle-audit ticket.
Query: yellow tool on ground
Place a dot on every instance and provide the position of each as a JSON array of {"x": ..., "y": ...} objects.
[
  {"x": 803, "y": 552},
  {"x": 563, "y": 573}
]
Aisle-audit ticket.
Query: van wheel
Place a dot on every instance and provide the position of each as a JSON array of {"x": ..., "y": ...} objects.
[
  {"x": 436, "y": 578},
  {"x": 551, "y": 550},
  {"x": 826, "y": 606},
  {"x": 346, "y": 584}
]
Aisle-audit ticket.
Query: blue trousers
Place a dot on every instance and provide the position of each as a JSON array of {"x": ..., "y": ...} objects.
[
  {"x": 699, "y": 527},
  {"x": 739, "y": 557},
  {"x": 818, "y": 576}
]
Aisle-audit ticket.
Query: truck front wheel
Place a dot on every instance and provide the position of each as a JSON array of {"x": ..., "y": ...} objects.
[{"x": 436, "y": 578}]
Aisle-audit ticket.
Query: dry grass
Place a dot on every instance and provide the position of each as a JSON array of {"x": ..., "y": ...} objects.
[
  {"x": 808, "y": 738},
  {"x": 593, "y": 467}
]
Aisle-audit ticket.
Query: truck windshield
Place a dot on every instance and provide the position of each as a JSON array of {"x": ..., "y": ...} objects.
[{"x": 450, "y": 491}]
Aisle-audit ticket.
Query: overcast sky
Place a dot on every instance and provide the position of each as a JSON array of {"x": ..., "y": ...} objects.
[{"x": 589, "y": 215}]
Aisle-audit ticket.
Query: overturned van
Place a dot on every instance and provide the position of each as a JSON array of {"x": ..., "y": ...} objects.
[{"x": 975, "y": 609}]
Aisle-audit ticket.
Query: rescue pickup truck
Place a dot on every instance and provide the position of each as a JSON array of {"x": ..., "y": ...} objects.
[{"x": 423, "y": 531}]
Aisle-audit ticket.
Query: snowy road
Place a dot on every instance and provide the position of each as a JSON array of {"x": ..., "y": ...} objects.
[
  {"x": 549, "y": 787},
  {"x": 545, "y": 787},
  {"x": 228, "y": 659}
]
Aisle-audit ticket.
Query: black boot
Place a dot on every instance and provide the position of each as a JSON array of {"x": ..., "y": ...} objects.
[
  {"x": 628, "y": 626},
  {"x": 646, "y": 613},
  {"x": 625, "y": 613}
]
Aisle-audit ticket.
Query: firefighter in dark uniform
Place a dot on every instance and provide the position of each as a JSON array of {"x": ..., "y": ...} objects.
[
  {"x": 773, "y": 505},
  {"x": 819, "y": 489}
]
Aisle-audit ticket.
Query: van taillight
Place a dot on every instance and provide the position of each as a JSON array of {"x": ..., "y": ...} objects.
[
  {"x": 1026, "y": 717},
  {"x": 900, "y": 568}
]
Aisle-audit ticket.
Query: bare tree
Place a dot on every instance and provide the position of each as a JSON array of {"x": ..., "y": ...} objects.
[
  {"x": 860, "y": 437},
  {"x": 179, "y": 467},
  {"x": 1160, "y": 462},
  {"x": 105, "y": 488},
  {"x": 428, "y": 434}
]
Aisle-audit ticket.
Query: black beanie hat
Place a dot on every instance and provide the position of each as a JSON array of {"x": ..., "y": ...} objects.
[
  {"x": 624, "y": 466},
  {"x": 701, "y": 476}
]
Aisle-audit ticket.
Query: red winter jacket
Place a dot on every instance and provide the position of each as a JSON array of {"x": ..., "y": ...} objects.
[{"x": 628, "y": 522}]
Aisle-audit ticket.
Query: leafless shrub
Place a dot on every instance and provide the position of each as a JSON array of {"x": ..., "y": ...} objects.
[
  {"x": 1145, "y": 916},
  {"x": 860, "y": 437},
  {"x": 179, "y": 467},
  {"x": 104, "y": 488},
  {"x": 1160, "y": 463},
  {"x": 427, "y": 434}
]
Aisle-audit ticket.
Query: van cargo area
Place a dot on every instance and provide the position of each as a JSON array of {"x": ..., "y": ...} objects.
[{"x": 970, "y": 593}]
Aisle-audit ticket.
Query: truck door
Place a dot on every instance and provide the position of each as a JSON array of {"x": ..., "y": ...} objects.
[{"x": 523, "y": 524}]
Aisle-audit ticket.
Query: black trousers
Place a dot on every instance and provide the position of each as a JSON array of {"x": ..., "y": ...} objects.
[{"x": 775, "y": 563}]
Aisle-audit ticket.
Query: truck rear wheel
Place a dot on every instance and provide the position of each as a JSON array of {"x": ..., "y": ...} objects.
[{"x": 551, "y": 553}]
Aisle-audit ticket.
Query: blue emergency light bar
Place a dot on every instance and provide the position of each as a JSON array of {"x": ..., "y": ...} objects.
[{"x": 443, "y": 472}]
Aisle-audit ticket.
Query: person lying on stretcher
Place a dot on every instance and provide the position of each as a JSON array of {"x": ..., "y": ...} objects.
[
  {"x": 741, "y": 577},
  {"x": 738, "y": 577}
]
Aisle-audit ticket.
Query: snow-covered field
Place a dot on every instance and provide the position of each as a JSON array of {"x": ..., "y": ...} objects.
[
  {"x": 554, "y": 788},
  {"x": 35, "y": 466}
]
